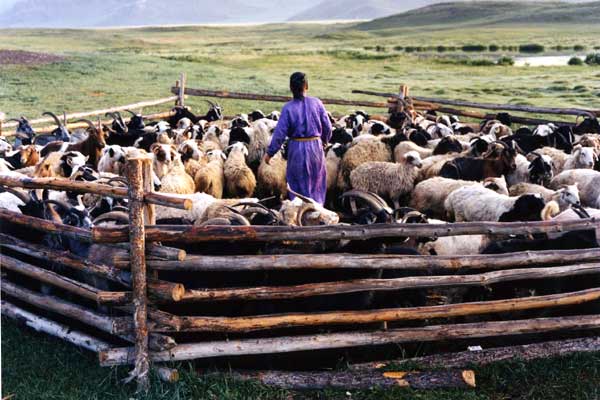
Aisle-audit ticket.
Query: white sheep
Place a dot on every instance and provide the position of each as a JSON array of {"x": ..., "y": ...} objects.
[
  {"x": 370, "y": 149},
  {"x": 565, "y": 197},
  {"x": 391, "y": 180},
  {"x": 404, "y": 147},
  {"x": 239, "y": 178},
  {"x": 170, "y": 170},
  {"x": 271, "y": 178},
  {"x": 113, "y": 160},
  {"x": 588, "y": 183},
  {"x": 580, "y": 157}
]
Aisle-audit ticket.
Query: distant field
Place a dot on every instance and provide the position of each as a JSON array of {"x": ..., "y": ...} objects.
[{"x": 111, "y": 67}]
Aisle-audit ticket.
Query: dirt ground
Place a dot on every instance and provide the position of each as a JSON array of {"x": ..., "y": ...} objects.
[{"x": 27, "y": 57}]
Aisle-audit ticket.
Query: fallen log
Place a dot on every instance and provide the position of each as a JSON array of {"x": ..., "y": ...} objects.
[
  {"x": 365, "y": 380},
  {"x": 191, "y": 351},
  {"x": 92, "y": 187},
  {"x": 223, "y": 94},
  {"x": 194, "y": 262},
  {"x": 200, "y": 234},
  {"x": 52, "y": 328},
  {"x": 487, "y": 356},
  {"x": 361, "y": 285},
  {"x": 266, "y": 322},
  {"x": 112, "y": 325},
  {"x": 489, "y": 106},
  {"x": 70, "y": 285}
]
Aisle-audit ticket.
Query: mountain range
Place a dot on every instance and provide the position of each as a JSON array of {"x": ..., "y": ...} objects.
[{"x": 106, "y": 13}]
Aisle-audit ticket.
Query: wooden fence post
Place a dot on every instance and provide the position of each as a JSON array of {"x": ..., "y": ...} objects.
[
  {"x": 138, "y": 272},
  {"x": 181, "y": 100},
  {"x": 149, "y": 209}
]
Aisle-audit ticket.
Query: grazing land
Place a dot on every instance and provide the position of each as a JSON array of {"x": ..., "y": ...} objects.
[{"x": 100, "y": 68}]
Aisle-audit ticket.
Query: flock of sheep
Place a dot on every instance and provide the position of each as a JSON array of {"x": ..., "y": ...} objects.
[{"x": 410, "y": 167}]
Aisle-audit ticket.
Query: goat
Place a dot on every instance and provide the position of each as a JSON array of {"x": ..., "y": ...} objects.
[
  {"x": 24, "y": 134},
  {"x": 90, "y": 147},
  {"x": 25, "y": 156},
  {"x": 477, "y": 169},
  {"x": 59, "y": 134}
]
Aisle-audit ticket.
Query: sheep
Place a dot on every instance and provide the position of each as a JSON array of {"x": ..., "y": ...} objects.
[
  {"x": 271, "y": 178},
  {"x": 433, "y": 165},
  {"x": 259, "y": 141},
  {"x": 405, "y": 147},
  {"x": 370, "y": 149},
  {"x": 5, "y": 147},
  {"x": 535, "y": 168},
  {"x": 113, "y": 160},
  {"x": 580, "y": 157},
  {"x": 198, "y": 212},
  {"x": 429, "y": 195},
  {"x": 391, "y": 180},
  {"x": 239, "y": 178},
  {"x": 209, "y": 177},
  {"x": 588, "y": 183},
  {"x": 333, "y": 159},
  {"x": 453, "y": 245},
  {"x": 476, "y": 203},
  {"x": 565, "y": 197},
  {"x": 25, "y": 156},
  {"x": 168, "y": 167},
  {"x": 304, "y": 211},
  {"x": 192, "y": 158}
]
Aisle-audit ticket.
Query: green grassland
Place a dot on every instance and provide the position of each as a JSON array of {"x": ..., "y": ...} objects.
[{"x": 111, "y": 67}]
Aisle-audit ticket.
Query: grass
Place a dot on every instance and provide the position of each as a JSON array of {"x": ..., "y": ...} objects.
[
  {"x": 111, "y": 67},
  {"x": 56, "y": 370}
]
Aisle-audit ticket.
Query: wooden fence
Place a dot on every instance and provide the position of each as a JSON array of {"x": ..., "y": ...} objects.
[{"x": 153, "y": 303}]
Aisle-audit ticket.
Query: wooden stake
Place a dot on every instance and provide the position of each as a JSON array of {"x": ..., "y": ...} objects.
[
  {"x": 53, "y": 328},
  {"x": 181, "y": 93},
  {"x": 286, "y": 344},
  {"x": 364, "y": 380},
  {"x": 138, "y": 271}
]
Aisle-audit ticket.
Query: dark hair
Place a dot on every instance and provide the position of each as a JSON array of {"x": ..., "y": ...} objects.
[{"x": 297, "y": 82}]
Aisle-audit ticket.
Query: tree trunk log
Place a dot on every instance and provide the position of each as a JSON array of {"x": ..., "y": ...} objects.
[
  {"x": 155, "y": 252},
  {"x": 361, "y": 285},
  {"x": 200, "y": 234},
  {"x": 286, "y": 344},
  {"x": 487, "y": 356},
  {"x": 44, "y": 225},
  {"x": 355, "y": 380},
  {"x": 70, "y": 285},
  {"x": 53, "y": 328},
  {"x": 265, "y": 322},
  {"x": 138, "y": 271}
]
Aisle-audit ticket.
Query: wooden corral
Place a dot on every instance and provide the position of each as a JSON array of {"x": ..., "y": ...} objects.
[{"x": 150, "y": 303}]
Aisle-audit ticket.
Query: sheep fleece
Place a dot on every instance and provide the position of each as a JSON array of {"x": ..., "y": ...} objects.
[{"x": 385, "y": 179}]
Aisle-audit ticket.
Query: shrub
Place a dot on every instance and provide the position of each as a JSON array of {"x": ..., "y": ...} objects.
[
  {"x": 506, "y": 61},
  {"x": 593, "y": 59},
  {"x": 494, "y": 47},
  {"x": 578, "y": 47},
  {"x": 380, "y": 48},
  {"x": 531, "y": 48},
  {"x": 441, "y": 49},
  {"x": 409, "y": 49},
  {"x": 474, "y": 47},
  {"x": 575, "y": 61},
  {"x": 398, "y": 48}
]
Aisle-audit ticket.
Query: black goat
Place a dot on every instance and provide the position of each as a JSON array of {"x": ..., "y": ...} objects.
[
  {"x": 447, "y": 145},
  {"x": 24, "y": 132},
  {"x": 477, "y": 169},
  {"x": 60, "y": 133}
]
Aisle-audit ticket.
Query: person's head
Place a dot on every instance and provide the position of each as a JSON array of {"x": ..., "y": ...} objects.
[{"x": 298, "y": 84}]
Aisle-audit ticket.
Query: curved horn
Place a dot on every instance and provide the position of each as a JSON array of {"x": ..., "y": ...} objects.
[
  {"x": 61, "y": 204},
  {"x": 216, "y": 221},
  {"x": 110, "y": 114},
  {"x": 374, "y": 201},
  {"x": 88, "y": 122},
  {"x": 302, "y": 197},
  {"x": 119, "y": 179},
  {"x": 214, "y": 105},
  {"x": 118, "y": 216},
  {"x": 12, "y": 119},
  {"x": 132, "y": 113},
  {"x": 237, "y": 216},
  {"x": 56, "y": 120},
  {"x": 24, "y": 197},
  {"x": 306, "y": 207}
]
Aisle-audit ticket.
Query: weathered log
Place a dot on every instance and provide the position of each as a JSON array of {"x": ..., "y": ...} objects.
[
  {"x": 70, "y": 285},
  {"x": 112, "y": 325},
  {"x": 264, "y": 322},
  {"x": 158, "y": 289},
  {"x": 39, "y": 224},
  {"x": 190, "y": 351},
  {"x": 142, "y": 104},
  {"x": 360, "y": 380},
  {"x": 278, "y": 99},
  {"x": 91, "y": 187},
  {"x": 488, "y": 106},
  {"x": 155, "y": 252},
  {"x": 197, "y": 234},
  {"x": 138, "y": 271},
  {"x": 375, "y": 261},
  {"x": 52, "y": 328},
  {"x": 169, "y": 375},
  {"x": 486, "y": 356},
  {"x": 361, "y": 285}
]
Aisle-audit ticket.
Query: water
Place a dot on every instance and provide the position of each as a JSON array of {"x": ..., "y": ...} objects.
[{"x": 544, "y": 61}]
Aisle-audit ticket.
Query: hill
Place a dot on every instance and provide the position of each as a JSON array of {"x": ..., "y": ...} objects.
[
  {"x": 357, "y": 9},
  {"x": 490, "y": 12}
]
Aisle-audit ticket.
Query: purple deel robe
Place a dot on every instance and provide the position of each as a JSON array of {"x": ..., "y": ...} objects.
[{"x": 306, "y": 171}]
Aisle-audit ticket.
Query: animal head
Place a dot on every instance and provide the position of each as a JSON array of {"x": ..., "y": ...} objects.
[
  {"x": 24, "y": 131},
  {"x": 237, "y": 148},
  {"x": 569, "y": 194},
  {"x": 70, "y": 161},
  {"x": 341, "y": 136},
  {"x": 216, "y": 155},
  {"x": 462, "y": 129},
  {"x": 337, "y": 150},
  {"x": 419, "y": 136},
  {"x": 184, "y": 123},
  {"x": 585, "y": 157},
  {"x": 541, "y": 169},
  {"x": 588, "y": 125},
  {"x": 30, "y": 155},
  {"x": 240, "y": 134},
  {"x": 356, "y": 121},
  {"x": 136, "y": 122},
  {"x": 447, "y": 145},
  {"x": 479, "y": 146},
  {"x": 215, "y": 112},
  {"x": 562, "y": 138},
  {"x": 256, "y": 115},
  {"x": 545, "y": 130},
  {"x": 379, "y": 128},
  {"x": 189, "y": 150},
  {"x": 304, "y": 211},
  {"x": 241, "y": 121},
  {"x": 498, "y": 185},
  {"x": 118, "y": 125},
  {"x": 164, "y": 153},
  {"x": 61, "y": 132},
  {"x": 527, "y": 207},
  {"x": 399, "y": 120},
  {"x": 114, "y": 153},
  {"x": 413, "y": 158},
  {"x": 275, "y": 115},
  {"x": 439, "y": 130}
]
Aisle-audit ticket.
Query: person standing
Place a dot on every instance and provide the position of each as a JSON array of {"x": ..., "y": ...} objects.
[{"x": 305, "y": 122}]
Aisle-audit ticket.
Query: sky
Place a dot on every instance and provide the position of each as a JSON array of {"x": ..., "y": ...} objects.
[{"x": 5, "y": 4}]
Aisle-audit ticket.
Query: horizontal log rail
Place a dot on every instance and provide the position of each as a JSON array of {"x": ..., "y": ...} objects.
[
  {"x": 266, "y": 322},
  {"x": 39, "y": 224},
  {"x": 489, "y": 106},
  {"x": 194, "y": 262},
  {"x": 93, "y": 113},
  {"x": 411, "y": 282},
  {"x": 196, "y": 234},
  {"x": 91, "y": 187},
  {"x": 70, "y": 285},
  {"x": 112, "y": 325},
  {"x": 286, "y": 344},
  {"x": 52, "y": 328},
  {"x": 224, "y": 94}
]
